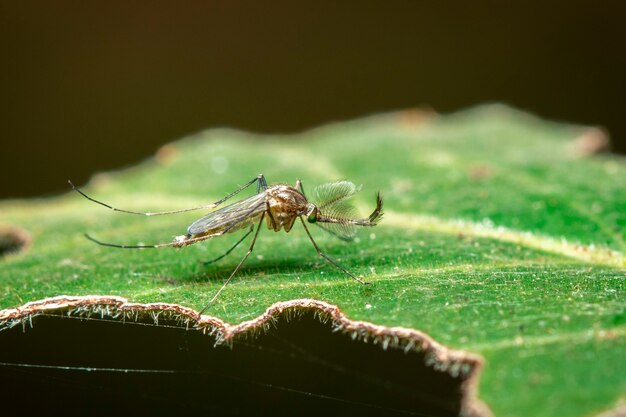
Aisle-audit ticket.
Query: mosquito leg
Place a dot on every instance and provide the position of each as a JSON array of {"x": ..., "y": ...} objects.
[
  {"x": 238, "y": 266},
  {"x": 323, "y": 255},
  {"x": 299, "y": 187},
  {"x": 260, "y": 178},
  {"x": 231, "y": 249},
  {"x": 179, "y": 241},
  {"x": 175, "y": 243},
  {"x": 269, "y": 215}
]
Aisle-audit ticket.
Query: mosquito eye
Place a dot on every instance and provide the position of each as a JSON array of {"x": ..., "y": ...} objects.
[{"x": 312, "y": 217}]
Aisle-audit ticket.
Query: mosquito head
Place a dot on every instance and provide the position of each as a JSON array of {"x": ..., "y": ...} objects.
[{"x": 312, "y": 213}]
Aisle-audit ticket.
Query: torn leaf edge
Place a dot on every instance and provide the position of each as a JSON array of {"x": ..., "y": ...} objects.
[{"x": 437, "y": 356}]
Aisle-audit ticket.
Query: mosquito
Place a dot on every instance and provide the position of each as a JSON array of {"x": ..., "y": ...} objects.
[{"x": 280, "y": 205}]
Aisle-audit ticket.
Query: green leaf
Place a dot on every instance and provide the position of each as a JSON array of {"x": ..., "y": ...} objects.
[{"x": 502, "y": 236}]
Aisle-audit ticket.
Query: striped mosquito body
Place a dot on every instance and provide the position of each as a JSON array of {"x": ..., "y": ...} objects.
[{"x": 279, "y": 206}]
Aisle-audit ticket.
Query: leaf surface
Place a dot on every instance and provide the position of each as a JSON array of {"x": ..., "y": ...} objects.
[{"x": 500, "y": 237}]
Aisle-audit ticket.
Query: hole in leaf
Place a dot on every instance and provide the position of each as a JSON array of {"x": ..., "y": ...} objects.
[
  {"x": 13, "y": 240},
  {"x": 299, "y": 367}
]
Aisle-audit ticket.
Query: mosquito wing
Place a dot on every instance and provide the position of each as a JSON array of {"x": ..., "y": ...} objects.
[{"x": 232, "y": 217}]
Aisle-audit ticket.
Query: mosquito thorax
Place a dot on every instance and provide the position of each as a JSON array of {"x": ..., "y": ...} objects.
[{"x": 284, "y": 205}]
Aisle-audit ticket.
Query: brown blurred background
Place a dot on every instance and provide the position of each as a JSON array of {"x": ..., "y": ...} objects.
[{"x": 88, "y": 86}]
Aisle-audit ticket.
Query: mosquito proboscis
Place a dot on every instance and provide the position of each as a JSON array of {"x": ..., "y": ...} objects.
[{"x": 280, "y": 205}]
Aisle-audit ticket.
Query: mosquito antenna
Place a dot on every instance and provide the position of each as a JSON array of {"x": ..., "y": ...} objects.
[
  {"x": 260, "y": 178},
  {"x": 372, "y": 220},
  {"x": 377, "y": 214}
]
